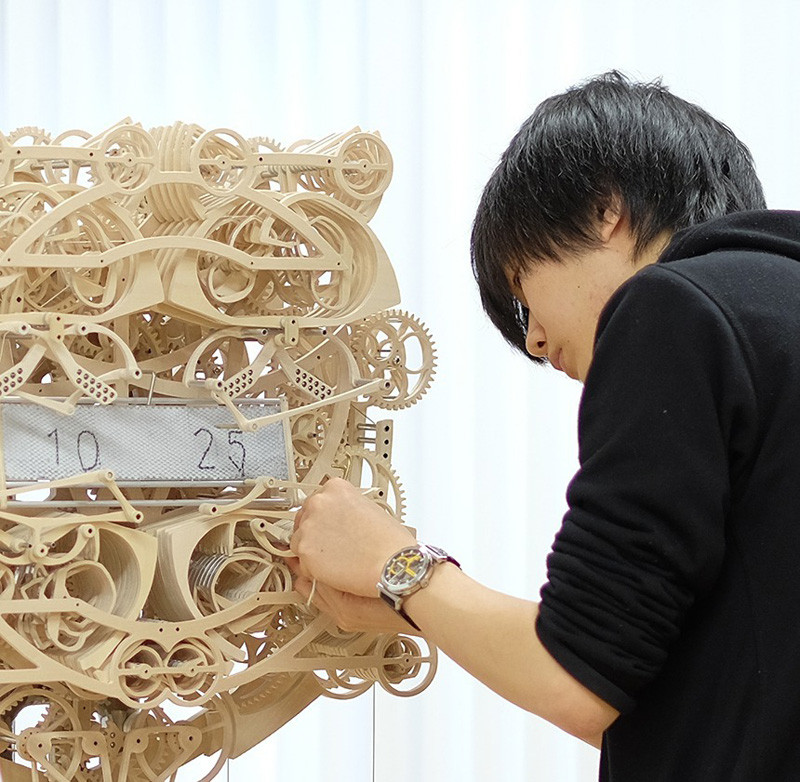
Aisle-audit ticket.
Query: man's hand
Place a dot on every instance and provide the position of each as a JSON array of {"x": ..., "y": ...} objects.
[
  {"x": 342, "y": 539},
  {"x": 354, "y": 613}
]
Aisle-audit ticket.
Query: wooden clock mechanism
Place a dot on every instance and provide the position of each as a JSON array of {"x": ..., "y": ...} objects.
[{"x": 195, "y": 330}]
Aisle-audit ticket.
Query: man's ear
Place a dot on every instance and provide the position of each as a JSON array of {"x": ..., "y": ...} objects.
[{"x": 611, "y": 219}]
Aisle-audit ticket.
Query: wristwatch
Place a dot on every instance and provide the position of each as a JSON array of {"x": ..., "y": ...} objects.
[{"x": 408, "y": 571}]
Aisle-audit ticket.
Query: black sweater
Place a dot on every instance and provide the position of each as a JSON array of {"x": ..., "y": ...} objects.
[{"x": 674, "y": 583}]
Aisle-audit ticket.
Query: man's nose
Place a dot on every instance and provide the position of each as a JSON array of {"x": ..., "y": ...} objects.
[{"x": 535, "y": 341}]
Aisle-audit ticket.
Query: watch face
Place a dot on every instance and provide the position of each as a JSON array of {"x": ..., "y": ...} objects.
[{"x": 405, "y": 569}]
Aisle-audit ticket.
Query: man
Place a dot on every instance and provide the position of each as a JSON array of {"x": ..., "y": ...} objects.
[{"x": 614, "y": 241}]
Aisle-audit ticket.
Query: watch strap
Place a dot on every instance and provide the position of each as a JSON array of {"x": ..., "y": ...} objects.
[
  {"x": 399, "y": 609},
  {"x": 440, "y": 555}
]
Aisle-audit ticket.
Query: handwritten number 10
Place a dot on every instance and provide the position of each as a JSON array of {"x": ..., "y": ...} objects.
[{"x": 87, "y": 449}]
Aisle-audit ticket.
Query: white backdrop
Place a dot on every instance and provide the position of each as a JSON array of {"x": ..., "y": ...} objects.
[{"x": 486, "y": 456}]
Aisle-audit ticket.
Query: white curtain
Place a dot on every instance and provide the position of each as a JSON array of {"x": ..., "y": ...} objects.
[{"x": 486, "y": 456}]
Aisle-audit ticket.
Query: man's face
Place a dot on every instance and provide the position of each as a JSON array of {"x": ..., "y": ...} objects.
[{"x": 564, "y": 299}]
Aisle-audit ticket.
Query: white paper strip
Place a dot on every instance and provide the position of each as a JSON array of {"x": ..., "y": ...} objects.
[{"x": 142, "y": 443}]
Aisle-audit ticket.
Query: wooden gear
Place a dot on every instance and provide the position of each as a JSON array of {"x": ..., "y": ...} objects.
[{"x": 200, "y": 271}]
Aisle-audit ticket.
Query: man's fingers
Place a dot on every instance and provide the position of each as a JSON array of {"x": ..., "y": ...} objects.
[
  {"x": 318, "y": 593},
  {"x": 298, "y": 516},
  {"x": 305, "y": 586},
  {"x": 293, "y": 563},
  {"x": 294, "y": 542},
  {"x": 314, "y": 594},
  {"x": 302, "y": 585},
  {"x": 351, "y": 612},
  {"x": 297, "y": 568}
]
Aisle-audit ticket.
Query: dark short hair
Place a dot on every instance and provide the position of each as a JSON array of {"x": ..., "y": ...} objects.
[{"x": 668, "y": 162}]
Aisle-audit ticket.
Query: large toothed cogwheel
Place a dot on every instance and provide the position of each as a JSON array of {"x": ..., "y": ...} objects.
[
  {"x": 396, "y": 346},
  {"x": 366, "y": 469}
]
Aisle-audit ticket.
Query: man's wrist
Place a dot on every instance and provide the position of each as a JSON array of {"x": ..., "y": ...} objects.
[{"x": 407, "y": 572}]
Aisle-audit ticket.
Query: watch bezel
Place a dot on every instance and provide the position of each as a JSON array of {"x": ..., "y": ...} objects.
[{"x": 422, "y": 569}]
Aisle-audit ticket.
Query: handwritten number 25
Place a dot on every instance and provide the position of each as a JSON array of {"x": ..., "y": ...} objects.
[{"x": 236, "y": 457}]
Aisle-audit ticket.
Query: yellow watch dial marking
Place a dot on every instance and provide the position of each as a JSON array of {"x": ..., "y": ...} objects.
[{"x": 403, "y": 564}]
